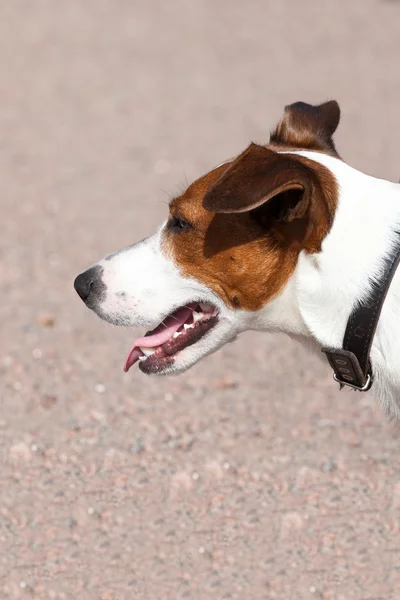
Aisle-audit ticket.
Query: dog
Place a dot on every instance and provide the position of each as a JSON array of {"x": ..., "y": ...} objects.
[{"x": 286, "y": 237}]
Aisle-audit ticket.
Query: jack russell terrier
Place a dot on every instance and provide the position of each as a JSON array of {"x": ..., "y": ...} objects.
[{"x": 285, "y": 237}]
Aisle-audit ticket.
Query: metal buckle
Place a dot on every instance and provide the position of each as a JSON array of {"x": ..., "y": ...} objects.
[{"x": 364, "y": 388}]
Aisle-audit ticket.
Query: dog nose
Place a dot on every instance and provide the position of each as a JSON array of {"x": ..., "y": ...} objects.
[{"x": 89, "y": 283}]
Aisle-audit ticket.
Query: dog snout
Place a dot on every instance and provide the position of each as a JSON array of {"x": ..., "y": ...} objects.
[{"x": 90, "y": 286}]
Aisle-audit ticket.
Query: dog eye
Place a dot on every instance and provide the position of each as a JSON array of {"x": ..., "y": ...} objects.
[{"x": 178, "y": 225}]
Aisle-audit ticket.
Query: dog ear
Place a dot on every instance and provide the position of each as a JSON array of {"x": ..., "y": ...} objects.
[
  {"x": 255, "y": 179},
  {"x": 307, "y": 126},
  {"x": 280, "y": 191}
]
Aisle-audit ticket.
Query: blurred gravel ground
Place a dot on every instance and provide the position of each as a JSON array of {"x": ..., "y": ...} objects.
[{"x": 250, "y": 477}]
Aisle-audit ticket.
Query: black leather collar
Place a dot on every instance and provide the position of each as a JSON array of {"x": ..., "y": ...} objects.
[{"x": 351, "y": 364}]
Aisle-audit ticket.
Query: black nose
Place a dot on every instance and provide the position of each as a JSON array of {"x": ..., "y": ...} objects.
[{"x": 89, "y": 283}]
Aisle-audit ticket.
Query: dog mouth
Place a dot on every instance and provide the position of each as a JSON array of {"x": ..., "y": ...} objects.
[{"x": 157, "y": 350}]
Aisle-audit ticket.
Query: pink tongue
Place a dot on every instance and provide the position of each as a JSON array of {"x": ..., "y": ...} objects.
[
  {"x": 165, "y": 330},
  {"x": 133, "y": 357},
  {"x": 159, "y": 336}
]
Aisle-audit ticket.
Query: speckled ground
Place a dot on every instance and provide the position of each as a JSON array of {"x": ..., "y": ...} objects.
[{"x": 250, "y": 477}]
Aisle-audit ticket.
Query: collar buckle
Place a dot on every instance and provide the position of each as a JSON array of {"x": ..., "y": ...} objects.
[
  {"x": 347, "y": 370},
  {"x": 351, "y": 364},
  {"x": 354, "y": 387}
]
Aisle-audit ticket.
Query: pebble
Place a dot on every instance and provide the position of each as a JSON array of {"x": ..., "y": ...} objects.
[
  {"x": 48, "y": 401},
  {"x": 215, "y": 469},
  {"x": 137, "y": 447},
  {"x": 180, "y": 481},
  {"x": 20, "y": 452},
  {"x": 328, "y": 466},
  {"x": 350, "y": 437},
  {"x": 45, "y": 319},
  {"x": 225, "y": 384},
  {"x": 98, "y": 416},
  {"x": 291, "y": 522},
  {"x": 7, "y": 361}
]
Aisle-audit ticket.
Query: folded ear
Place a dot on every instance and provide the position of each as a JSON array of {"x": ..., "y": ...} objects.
[
  {"x": 256, "y": 177},
  {"x": 307, "y": 126},
  {"x": 281, "y": 192}
]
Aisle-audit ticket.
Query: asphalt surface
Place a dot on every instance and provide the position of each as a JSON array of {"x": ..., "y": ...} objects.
[{"x": 249, "y": 477}]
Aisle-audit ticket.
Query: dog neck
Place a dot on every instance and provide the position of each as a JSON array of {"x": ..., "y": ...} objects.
[{"x": 325, "y": 287}]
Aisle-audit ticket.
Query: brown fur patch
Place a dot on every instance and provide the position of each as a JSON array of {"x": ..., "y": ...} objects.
[
  {"x": 308, "y": 127},
  {"x": 263, "y": 209},
  {"x": 231, "y": 254}
]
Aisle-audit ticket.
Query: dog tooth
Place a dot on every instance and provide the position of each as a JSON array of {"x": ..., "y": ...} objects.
[
  {"x": 148, "y": 351},
  {"x": 197, "y": 316},
  {"x": 177, "y": 334},
  {"x": 186, "y": 326}
]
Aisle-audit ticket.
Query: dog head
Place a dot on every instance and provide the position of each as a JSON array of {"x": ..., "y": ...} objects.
[{"x": 228, "y": 249}]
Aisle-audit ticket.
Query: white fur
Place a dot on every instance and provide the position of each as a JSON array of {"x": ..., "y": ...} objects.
[
  {"x": 326, "y": 286},
  {"x": 144, "y": 285}
]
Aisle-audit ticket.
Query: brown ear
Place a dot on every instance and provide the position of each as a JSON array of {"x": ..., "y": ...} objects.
[
  {"x": 282, "y": 192},
  {"x": 307, "y": 126},
  {"x": 256, "y": 177}
]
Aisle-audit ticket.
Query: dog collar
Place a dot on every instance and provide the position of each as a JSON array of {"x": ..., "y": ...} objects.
[{"x": 351, "y": 364}]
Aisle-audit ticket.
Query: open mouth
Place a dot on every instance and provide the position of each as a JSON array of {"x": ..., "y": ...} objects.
[{"x": 184, "y": 327}]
